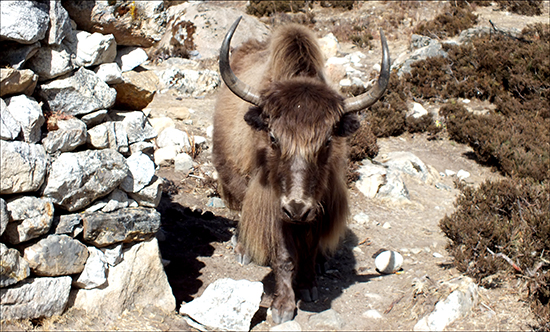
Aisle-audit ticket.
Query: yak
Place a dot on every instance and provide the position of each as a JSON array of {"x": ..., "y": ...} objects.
[{"x": 280, "y": 152}]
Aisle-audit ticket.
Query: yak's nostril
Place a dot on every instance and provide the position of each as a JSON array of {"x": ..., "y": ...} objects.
[
  {"x": 296, "y": 210},
  {"x": 287, "y": 213}
]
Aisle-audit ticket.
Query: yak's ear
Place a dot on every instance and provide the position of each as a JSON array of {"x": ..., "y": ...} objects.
[
  {"x": 349, "y": 123},
  {"x": 254, "y": 118}
]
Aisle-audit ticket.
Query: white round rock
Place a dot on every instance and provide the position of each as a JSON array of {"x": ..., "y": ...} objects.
[{"x": 388, "y": 262}]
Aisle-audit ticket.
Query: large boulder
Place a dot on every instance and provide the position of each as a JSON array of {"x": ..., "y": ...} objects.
[
  {"x": 136, "y": 282},
  {"x": 25, "y": 22},
  {"x": 80, "y": 93},
  {"x": 76, "y": 179},
  {"x": 93, "y": 49},
  {"x": 22, "y": 165},
  {"x": 133, "y": 23}
]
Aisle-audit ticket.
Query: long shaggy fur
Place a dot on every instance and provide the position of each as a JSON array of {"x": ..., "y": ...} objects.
[{"x": 289, "y": 72}]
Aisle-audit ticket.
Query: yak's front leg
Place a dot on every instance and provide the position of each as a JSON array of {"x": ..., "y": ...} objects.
[
  {"x": 284, "y": 269},
  {"x": 307, "y": 243}
]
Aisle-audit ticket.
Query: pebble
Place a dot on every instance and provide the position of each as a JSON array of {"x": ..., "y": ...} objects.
[
  {"x": 437, "y": 255},
  {"x": 462, "y": 174},
  {"x": 216, "y": 202},
  {"x": 386, "y": 225},
  {"x": 361, "y": 218},
  {"x": 450, "y": 172},
  {"x": 388, "y": 262},
  {"x": 372, "y": 313}
]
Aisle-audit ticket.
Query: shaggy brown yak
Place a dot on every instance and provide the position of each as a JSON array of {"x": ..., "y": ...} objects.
[{"x": 280, "y": 152}]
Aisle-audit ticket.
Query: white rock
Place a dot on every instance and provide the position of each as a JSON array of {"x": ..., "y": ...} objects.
[
  {"x": 209, "y": 131},
  {"x": 226, "y": 304},
  {"x": 110, "y": 73},
  {"x": 388, "y": 262},
  {"x": 386, "y": 225},
  {"x": 418, "y": 110},
  {"x": 150, "y": 195},
  {"x": 51, "y": 61},
  {"x": 174, "y": 137},
  {"x": 330, "y": 319},
  {"x": 130, "y": 57},
  {"x": 25, "y": 22},
  {"x": 449, "y": 172},
  {"x": 161, "y": 123},
  {"x": 372, "y": 313},
  {"x": 9, "y": 127},
  {"x": 94, "y": 118},
  {"x": 30, "y": 217},
  {"x": 290, "y": 325},
  {"x": 28, "y": 113},
  {"x": 71, "y": 133},
  {"x": 458, "y": 304},
  {"x": 376, "y": 67},
  {"x": 110, "y": 134},
  {"x": 94, "y": 49},
  {"x": 165, "y": 156},
  {"x": 361, "y": 218},
  {"x": 329, "y": 45},
  {"x": 141, "y": 172},
  {"x": 462, "y": 174},
  {"x": 94, "y": 271},
  {"x": 183, "y": 163}
]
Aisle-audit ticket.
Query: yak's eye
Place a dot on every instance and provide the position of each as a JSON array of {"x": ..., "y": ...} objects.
[{"x": 273, "y": 139}]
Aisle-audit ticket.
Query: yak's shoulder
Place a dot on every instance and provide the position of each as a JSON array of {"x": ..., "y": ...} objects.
[{"x": 243, "y": 55}]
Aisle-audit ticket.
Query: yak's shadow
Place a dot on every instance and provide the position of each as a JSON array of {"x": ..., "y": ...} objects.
[{"x": 185, "y": 235}]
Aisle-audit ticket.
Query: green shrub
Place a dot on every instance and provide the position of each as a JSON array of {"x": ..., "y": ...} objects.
[{"x": 267, "y": 8}]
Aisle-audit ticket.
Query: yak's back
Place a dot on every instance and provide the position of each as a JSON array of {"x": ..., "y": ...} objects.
[{"x": 294, "y": 51}]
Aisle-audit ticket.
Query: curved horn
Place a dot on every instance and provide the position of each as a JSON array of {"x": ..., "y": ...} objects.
[
  {"x": 239, "y": 88},
  {"x": 368, "y": 98}
]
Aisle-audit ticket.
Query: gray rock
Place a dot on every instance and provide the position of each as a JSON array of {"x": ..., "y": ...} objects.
[
  {"x": 56, "y": 255},
  {"x": 94, "y": 273},
  {"x": 124, "y": 225},
  {"x": 150, "y": 195},
  {"x": 93, "y": 49},
  {"x": 71, "y": 133},
  {"x": 130, "y": 57},
  {"x": 13, "y": 268},
  {"x": 51, "y": 61},
  {"x": 165, "y": 156},
  {"x": 68, "y": 224},
  {"x": 109, "y": 135},
  {"x": 60, "y": 23},
  {"x": 110, "y": 73},
  {"x": 4, "y": 216},
  {"x": 9, "y": 127},
  {"x": 30, "y": 217},
  {"x": 14, "y": 82},
  {"x": 25, "y": 22},
  {"x": 116, "y": 200},
  {"x": 112, "y": 255},
  {"x": 189, "y": 82},
  {"x": 327, "y": 319},
  {"x": 77, "y": 179},
  {"x": 80, "y": 93},
  {"x": 136, "y": 125},
  {"x": 136, "y": 282},
  {"x": 142, "y": 170},
  {"x": 94, "y": 118},
  {"x": 431, "y": 49},
  {"x": 290, "y": 325},
  {"x": 458, "y": 304},
  {"x": 22, "y": 165},
  {"x": 226, "y": 304},
  {"x": 35, "y": 298},
  {"x": 215, "y": 202},
  {"x": 28, "y": 113},
  {"x": 16, "y": 55},
  {"x": 407, "y": 163},
  {"x": 183, "y": 163},
  {"x": 377, "y": 181}
]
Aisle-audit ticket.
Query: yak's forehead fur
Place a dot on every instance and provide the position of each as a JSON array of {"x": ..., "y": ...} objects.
[{"x": 302, "y": 114}]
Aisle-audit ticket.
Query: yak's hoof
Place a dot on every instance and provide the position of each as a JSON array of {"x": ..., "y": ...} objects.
[
  {"x": 281, "y": 316},
  {"x": 321, "y": 268},
  {"x": 309, "y": 295}
]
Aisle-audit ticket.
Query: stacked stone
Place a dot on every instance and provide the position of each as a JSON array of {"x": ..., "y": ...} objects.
[{"x": 78, "y": 188}]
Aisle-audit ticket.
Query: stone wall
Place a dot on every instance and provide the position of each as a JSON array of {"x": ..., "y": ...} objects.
[{"x": 78, "y": 187}]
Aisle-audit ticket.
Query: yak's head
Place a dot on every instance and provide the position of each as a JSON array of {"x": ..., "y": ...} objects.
[{"x": 303, "y": 123}]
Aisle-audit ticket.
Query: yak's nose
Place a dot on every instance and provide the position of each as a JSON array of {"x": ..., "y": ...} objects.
[{"x": 297, "y": 210}]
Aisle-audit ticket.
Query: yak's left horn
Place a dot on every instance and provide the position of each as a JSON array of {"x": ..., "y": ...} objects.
[
  {"x": 238, "y": 87},
  {"x": 357, "y": 103}
]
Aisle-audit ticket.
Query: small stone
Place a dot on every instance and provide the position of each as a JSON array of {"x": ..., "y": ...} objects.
[
  {"x": 462, "y": 174},
  {"x": 141, "y": 172},
  {"x": 437, "y": 255},
  {"x": 388, "y": 262},
  {"x": 450, "y": 172},
  {"x": 94, "y": 271},
  {"x": 183, "y": 163},
  {"x": 30, "y": 217},
  {"x": 330, "y": 319},
  {"x": 110, "y": 73},
  {"x": 215, "y": 202},
  {"x": 386, "y": 225},
  {"x": 150, "y": 195},
  {"x": 372, "y": 313}
]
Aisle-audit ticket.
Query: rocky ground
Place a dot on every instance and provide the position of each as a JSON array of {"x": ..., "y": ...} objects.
[{"x": 196, "y": 236}]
